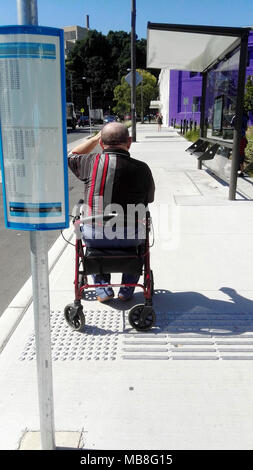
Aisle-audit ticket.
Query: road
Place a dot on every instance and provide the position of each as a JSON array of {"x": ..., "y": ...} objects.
[{"x": 15, "y": 265}]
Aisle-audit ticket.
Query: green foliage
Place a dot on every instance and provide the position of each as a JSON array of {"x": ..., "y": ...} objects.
[
  {"x": 249, "y": 152},
  {"x": 119, "y": 43},
  {"x": 122, "y": 96},
  {"x": 147, "y": 90},
  {"x": 248, "y": 95},
  {"x": 192, "y": 135},
  {"x": 103, "y": 60}
]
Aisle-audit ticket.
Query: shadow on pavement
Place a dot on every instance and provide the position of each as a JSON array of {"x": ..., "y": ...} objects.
[{"x": 193, "y": 312}]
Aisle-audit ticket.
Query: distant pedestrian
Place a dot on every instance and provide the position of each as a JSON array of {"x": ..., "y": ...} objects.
[{"x": 159, "y": 121}]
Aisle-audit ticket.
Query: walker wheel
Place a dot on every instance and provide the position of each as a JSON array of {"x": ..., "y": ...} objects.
[
  {"x": 74, "y": 316},
  {"x": 141, "y": 317}
]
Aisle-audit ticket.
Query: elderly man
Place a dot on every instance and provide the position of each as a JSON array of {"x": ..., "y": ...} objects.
[{"x": 111, "y": 177}]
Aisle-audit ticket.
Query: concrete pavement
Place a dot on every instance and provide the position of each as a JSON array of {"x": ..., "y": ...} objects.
[{"x": 186, "y": 384}]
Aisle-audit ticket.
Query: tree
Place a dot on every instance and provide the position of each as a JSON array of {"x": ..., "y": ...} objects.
[
  {"x": 89, "y": 58},
  {"x": 103, "y": 61},
  {"x": 122, "y": 96},
  {"x": 145, "y": 92},
  {"x": 119, "y": 42}
]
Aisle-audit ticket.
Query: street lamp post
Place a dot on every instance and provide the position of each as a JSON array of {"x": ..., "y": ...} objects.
[
  {"x": 89, "y": 103},
  {"x": 71, "y": 88},
  {"x": 133, "y": 68},
  {"x": 142, "y": 101},
  {"x": 91, "y": 106}
]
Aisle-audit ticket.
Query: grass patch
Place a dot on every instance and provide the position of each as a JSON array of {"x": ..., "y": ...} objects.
[
  {"x": 192, "y": 135},
  {"x": 249, "y": 152}
]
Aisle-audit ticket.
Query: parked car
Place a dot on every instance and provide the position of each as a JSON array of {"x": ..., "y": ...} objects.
[
  {"x": 109, "y": 118},
  {"x": 83, "y": 121},
  {"x": 148, "y": 118},
  {"x": 127, "y": 117}
]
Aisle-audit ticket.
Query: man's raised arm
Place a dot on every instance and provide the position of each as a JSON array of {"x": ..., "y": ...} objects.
[{"x": 87, "y": 145}]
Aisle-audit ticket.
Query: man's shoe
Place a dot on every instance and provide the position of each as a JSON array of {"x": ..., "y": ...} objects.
[
  {"x": 105, "y": 299},
  {"x": 123, "y": 298}
]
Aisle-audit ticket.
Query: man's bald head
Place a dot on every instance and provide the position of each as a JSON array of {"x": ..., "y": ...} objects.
[{"x": 115, "y": 134}]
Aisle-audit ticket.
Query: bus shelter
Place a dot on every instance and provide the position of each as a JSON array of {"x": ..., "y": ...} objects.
[{"x": 220, "y": 55}]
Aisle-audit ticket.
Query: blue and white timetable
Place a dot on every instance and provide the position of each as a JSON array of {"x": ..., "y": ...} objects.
[{"x": 33, "y": 128}]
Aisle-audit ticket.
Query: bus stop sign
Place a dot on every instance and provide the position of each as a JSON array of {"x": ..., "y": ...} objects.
[{"x": 33, "y": 143}]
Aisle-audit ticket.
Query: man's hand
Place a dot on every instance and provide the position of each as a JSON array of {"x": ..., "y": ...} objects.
[{"x": 88, "y": 145}]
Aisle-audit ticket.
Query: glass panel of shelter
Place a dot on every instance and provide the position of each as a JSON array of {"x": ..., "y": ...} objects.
[{"x": 221, "y": 93}]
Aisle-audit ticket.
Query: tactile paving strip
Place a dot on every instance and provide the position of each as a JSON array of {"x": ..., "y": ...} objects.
[
  {"x": 193, "y": 336},
  {"x": 98, "y": 340},
  {"x": 176, "y": 336}
]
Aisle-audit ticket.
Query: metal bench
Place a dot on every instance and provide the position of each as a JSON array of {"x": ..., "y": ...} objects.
[{"x": 206, "y": 149}]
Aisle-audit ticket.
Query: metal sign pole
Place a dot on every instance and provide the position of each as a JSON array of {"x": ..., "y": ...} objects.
[
  {"x": 27, "y": 14},
  {"x": 88, "y": 103},
  {"x": 41, "y": 306}
]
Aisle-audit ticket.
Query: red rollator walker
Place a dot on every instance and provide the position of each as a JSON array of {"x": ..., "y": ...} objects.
[{"x": 134, "y": 260}]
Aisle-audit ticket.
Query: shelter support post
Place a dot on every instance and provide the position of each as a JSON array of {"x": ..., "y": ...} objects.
[
  {"x": 202, "y": 112},
  {"x": 239, "y": 116},
  {"x": 203, "y": 102}
]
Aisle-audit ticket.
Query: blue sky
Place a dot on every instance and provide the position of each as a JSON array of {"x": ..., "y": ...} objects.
[{"x": 115, "y": 15}]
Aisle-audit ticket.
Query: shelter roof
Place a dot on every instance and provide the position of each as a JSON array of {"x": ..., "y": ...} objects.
[{"x": 190, "y": 47}]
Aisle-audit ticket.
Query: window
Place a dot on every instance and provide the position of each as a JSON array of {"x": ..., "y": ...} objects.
[
  {"x": 196, "y": 101},
  {"x": 69, "y": 35}
]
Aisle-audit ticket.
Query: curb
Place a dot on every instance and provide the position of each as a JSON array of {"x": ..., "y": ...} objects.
[{"x": 15, "y": 311}]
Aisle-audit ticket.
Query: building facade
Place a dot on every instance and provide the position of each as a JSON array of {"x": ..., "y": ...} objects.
[
  {"x": 73, "y": 34},
  {"x": 180, "y": 92},
  {"x": 164, "y": 89}
]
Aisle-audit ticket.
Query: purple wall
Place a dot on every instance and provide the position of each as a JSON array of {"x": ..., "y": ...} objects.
[{"x": 187, "y": 86}]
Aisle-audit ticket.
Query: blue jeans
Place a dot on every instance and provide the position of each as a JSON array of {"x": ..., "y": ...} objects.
[{"x": 91, "y": 241}]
